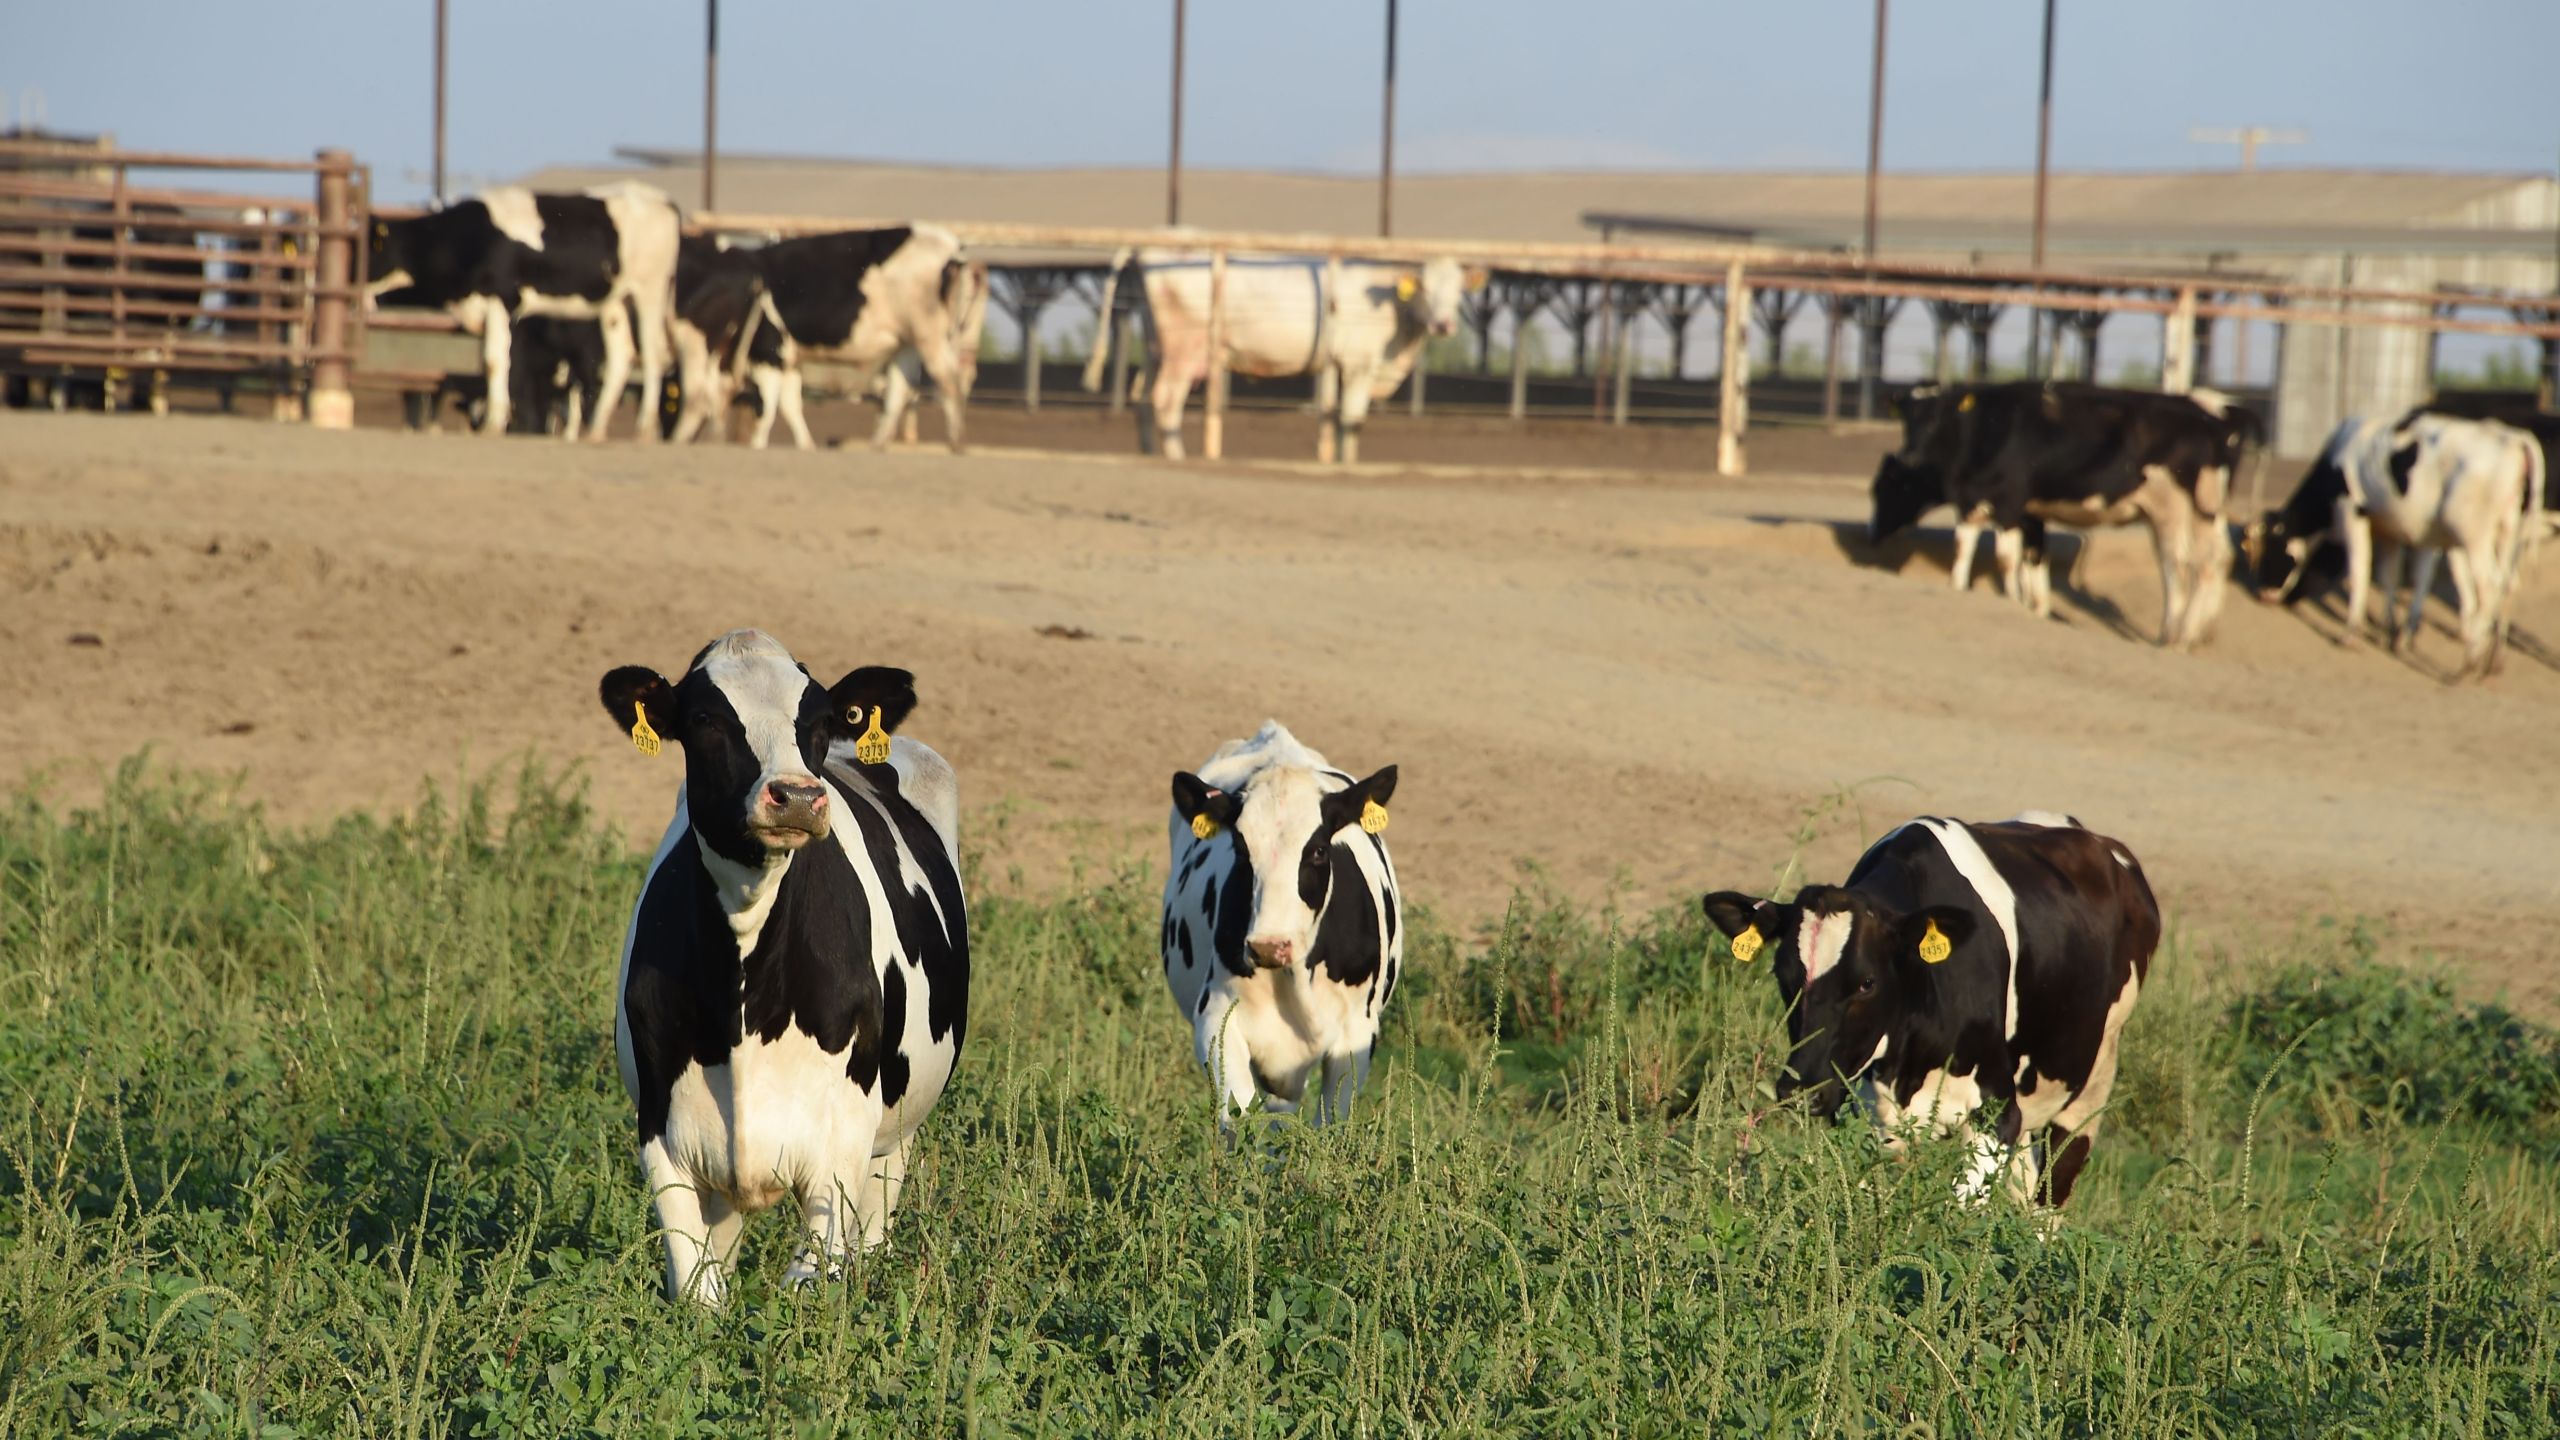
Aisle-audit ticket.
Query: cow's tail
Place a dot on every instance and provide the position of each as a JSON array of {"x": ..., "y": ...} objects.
[
  {"x": 1102, "y": 323},
  {"x": 741, "y": 357}
]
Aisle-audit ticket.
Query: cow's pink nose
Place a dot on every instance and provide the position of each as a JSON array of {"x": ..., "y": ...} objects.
[
  {"x": 791, "y": 795},
  {"x": 1270, "y": 950}
]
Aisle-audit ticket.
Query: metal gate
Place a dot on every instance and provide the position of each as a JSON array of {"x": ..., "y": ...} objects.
[{"x": 125, "y": 290}]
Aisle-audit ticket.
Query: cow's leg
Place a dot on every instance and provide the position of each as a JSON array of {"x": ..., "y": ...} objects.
[
  {"x": 2168, "y": 546},
  {"x": 575, "y": 404},
  {"x": 1173, "y": 390},
  {"x": 496, "y": 350},
  {"x": 2005, "y": 552},
  {"x": 879, "y": 1199},
  {"x": 942, "y": 361},
  {"x": 832, "y": 1207},
  {"x": 2469, "y": 612},
  {"x": 1969, "y": 527},
  {"x": 1354, "y": 412},
  {"x": 768, "y": 382},
  {"x": 2404, "y": 638},
  {"x": 2210, "y": 579},
  {"x": 615, "y": 322},
  {"x": 649, "y": 319},
  {"x": 1328, "y": 413},
  {"x": 700, "y": 1230},
  {"x": 793, "y": 414},
  {"x": 1341, "y": 1078},
  {"x": 2355, "y": 537},
  {"x": 1217, "y": 1039},
  {"x": 694, "y": 378}
]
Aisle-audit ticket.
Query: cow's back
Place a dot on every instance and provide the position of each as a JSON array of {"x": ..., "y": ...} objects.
[{"x": 1272, "y": 310}]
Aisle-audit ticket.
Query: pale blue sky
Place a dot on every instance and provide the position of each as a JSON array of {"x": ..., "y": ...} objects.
[{"x": 1486, "y": 84}]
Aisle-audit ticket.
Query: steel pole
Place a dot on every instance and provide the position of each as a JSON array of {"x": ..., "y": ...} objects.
[
  {"x": 1173, "y": 165},
  {"x": 710, "y": 99},
  {"x": 2044, "y": 153},
  {"x": 1387, "y": 141},
  {"x": 1871, "y": 356},
  {"x": 439, "y": 146}
]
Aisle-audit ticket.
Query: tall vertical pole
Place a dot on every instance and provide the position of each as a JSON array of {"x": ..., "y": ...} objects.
[
  {"x": 1173, "y": 165},
  {"x": 1871, "y": 346},
  {"x": 2044, "y": 154},
  {"x": 333, "y": 405},
  {"x": 1387, "y": 141},
  {"x": 1733, "y": 400},
  {"x": 710, "y": 99},
  {"x": 439, "y": 160}
]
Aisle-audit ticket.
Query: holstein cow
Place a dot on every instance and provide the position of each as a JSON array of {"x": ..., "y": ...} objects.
[
  {"x": 2085, "y": 456},
  {"x": 509, "y": 252},
  {"x": 795, "y": 983},
  {"x": 857, "y": 298},
  {"x": 1358, "y": 328},
  {"x": 2468, "y": 490},
  {"x": 1283, "y": 935},
  {"x": 1964, "y": 964},
  {"x": 719, "y": 310},
  {"x": 779, "y": 388}
]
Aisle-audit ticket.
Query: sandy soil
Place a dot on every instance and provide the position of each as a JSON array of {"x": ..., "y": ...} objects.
[{"x": 1633, "y": 681}]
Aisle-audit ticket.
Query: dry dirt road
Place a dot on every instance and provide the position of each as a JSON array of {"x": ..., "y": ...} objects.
[{"x": 1637, "y": 684}]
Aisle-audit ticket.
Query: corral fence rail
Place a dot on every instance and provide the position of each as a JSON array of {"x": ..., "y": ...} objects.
[{"x": 110, "y": 282}]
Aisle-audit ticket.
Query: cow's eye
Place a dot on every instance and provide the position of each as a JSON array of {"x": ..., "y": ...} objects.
[{"x": 1865, "y": 988}]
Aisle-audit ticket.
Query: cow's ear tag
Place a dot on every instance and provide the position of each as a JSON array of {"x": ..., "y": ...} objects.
[
  {"x": 1934, "y": 945},
  {"x": 1965, "y": 404},
  {"x": 1203, "y": 826},
  {"x": 1373, "y": 816},
  {"x": 1746, "y": 946},
  {"x": 1404, "y": 291},
  {"x": 643, "y": 739},
  {"x": 873, "y": 746}
]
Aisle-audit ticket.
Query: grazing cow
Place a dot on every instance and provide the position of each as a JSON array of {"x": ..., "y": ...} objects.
[
  {"x": 778, "y": 389},
  {"x": 1960, "y": 964},
  {"x": 608, "y": 255},
  {"x": 2468, "y": 490},
  {"x": 2081, "y": 455},
  {"x": 795, "y": 984},
  {"x": 1282, "y": 932},
  {"x": 2023, "y": 551},
  {"x": 857, "y": 298},
  {"x": 2520, "y": 413},
  {"x": 1358, "y": 328}
]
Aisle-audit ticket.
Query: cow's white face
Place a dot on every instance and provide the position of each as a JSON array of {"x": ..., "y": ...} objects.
[
  {"x": 1437, "y": 296},
  {"x": 1286, "y": 823},
  {"x": 755, "y": 730}
]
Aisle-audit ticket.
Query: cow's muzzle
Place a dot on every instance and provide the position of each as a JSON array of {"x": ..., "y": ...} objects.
[
  {"x": 789, "y": 813},
  {"x": 1271, "y": 952}
]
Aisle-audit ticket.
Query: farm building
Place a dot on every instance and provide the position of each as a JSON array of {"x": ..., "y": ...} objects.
[{"x": 2399, "y": 230}]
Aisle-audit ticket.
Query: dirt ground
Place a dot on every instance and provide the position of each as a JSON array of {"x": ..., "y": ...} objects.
[{"x": 1634, "y": 680}]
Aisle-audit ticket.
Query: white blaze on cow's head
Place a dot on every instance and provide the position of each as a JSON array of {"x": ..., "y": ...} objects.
[
  {"x": 1431, "y": 300},
  {"x": 756, "y": 729},
  {"x": 1287, "y": 827}
]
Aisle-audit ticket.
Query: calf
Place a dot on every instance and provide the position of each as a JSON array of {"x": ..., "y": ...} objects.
[
  {"x": 2080, "y": 455},
  {"x": 795, "y": 982},
  {"x": 1961, "y": 964},
  {"x": 1357, "y": 328},
  {"x": 1282, "y": 931},
  {"x": 2469, "y": 490},
  {"x": 608, "y": 255}
]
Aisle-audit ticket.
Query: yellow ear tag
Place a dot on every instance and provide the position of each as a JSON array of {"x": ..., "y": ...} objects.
[
  {"x": 1746, "y": 946},
  {"x": 873, "y": 747},
  {"x": 1935, "y": 946},
  {"x": 1202, "y": 826},
  {"x": 1405, "y": 287},
  {"x": 643, "y": 739},
  {"x": 1373, "y": 816},
  {"x": 1965, "y": 404}
]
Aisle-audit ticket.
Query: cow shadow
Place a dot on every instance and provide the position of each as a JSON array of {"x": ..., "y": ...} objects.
[{"x": 1934, "y": 551}]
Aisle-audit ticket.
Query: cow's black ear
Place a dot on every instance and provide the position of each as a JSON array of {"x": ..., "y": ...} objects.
[
  {"x": 633, "y": 693},
  {"x": 884, "y": 688},
  {"x": 1350, "y": 805},
  {"x": 1934, "y": 933},
  {"x": 1195, "y": 798},
  {"x": 1733, "y": 912}
]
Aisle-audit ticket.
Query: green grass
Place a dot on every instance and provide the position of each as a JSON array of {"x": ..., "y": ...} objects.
[{"x": 317, "y": 1133}]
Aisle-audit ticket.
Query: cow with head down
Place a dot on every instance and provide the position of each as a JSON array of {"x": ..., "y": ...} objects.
[
  {"x": 795, "y": 981},
  {"x": 1283, "y": 936},
  {"x": 1963, "y": 966}
]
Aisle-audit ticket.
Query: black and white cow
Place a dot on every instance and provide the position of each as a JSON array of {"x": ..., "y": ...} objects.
[
  {"x": 608, "y": 255},
  {"x": 795, "y": 983},
  {"x": 2427, "y": 485},
  {"x": 1283, "y": 937},
  {"x": 719, "y": 307},
  {"x": 1963, "y": 964},
  {"x": 2080, "y": 455},
  {"x": 857, "y": 298},
  {"x": 778, "y": 389}
]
